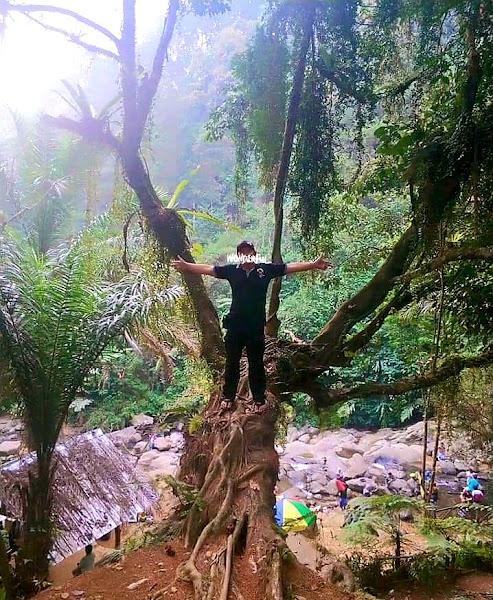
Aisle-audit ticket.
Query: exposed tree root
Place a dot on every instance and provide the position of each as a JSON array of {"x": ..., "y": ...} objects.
[{"x": 235, "y": 503}]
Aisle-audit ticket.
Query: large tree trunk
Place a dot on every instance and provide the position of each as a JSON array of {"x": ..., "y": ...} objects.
[
  {"x": 234, "y": 465},
  {"x": 169, "y": 229},
  {"x": 273, "y": 323},
  {"x": 37, "y": 500}
]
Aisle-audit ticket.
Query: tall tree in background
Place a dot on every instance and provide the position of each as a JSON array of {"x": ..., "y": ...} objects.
[{"x": 437, "y": 124}]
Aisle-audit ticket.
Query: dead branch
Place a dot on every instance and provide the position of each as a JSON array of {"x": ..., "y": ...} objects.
[
  {"x": 148, "y": 87},
  {"x": 93, "y": 130},
  {"x": 25, "y": 9},
  {"x": 75, "y": 39}
]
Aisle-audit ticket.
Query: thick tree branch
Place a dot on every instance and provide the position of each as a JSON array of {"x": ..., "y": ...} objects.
[
  {"x": 369, "y": 298},
  {"x": 450, "y": 255},
  {"x": 26, "y": 9},
  {"x": 92, "y": 130},
  {"x": 402, "y": 298},
  {"x": 75, "y": 39},
  {"x": 449, "y": 368},
  {"x": 148, "y": 87}
]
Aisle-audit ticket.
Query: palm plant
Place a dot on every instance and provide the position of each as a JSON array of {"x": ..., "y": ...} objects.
[
  {"x": 56, "y": 317},
  {"x": 366, "y": 517}
]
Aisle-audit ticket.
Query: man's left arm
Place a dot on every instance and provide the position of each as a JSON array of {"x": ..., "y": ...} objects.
[{"x": 320, "y": 264}]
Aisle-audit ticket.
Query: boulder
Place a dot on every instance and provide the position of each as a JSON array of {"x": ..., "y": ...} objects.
[
  {"x": 177, "y": 440},
  {"x": 162, "y": 444},
  {"x": 164, "y": 464},
  {"x": 139, "y": 447},
  {"x": 292, "y": 434},
  {"x": 304, "y": 438},
  {"x": 356, "y": 467},
  {"x": 376, "y": 473},
  {"x": 460, "y": 465},
  {"x": 147, "y": 458},
  {"x": 313, "y": 431},
  {"x": 398, "y": 453},
  {"x": 399, "y": 486},
  {"x": 348, "y": 450},
  {"x": 318, "y": 485},
  {"x": 331, "y": 489},
  {"x": 294, "y": 492},
  {"x": 447, "y": 467},
  {"x": 142, "y": 420},
  {"x": 136, "y": 437},
  {"x": 9, "y": 448},
  {"x": 358, "y": 484},
  {"x": 397, "y": 473},
  {"x": 123, "y": 436}
]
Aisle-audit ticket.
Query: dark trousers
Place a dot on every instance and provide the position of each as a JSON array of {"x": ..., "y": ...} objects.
[{"x": 235, "y": 340}]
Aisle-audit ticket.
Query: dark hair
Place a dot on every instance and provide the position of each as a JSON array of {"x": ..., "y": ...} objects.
[
  {"x": 245, "y": 244},
  {"x": 88, "y": 548}
]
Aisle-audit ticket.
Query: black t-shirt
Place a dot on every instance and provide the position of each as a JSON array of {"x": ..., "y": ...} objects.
[{"x": 249, "y": 291}]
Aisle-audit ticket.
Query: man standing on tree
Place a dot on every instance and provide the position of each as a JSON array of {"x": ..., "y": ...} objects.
[{"x": 249, "y": 280}]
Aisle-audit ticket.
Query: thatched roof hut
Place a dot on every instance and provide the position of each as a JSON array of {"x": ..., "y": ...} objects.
[{"x": 96, "y": 488}]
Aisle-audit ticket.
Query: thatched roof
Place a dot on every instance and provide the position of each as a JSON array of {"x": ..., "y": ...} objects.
[{"x": 96, "y": 488}]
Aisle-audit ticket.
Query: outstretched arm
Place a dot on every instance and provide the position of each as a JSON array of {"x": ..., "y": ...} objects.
[
  {"x": 321, "y": 264},
  {"x": 183, "y": 265}
]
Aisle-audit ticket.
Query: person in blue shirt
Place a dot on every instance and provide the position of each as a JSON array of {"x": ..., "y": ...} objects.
[
  {"x": 473, "y": 483},
  {"x": 245, "y": 322}
]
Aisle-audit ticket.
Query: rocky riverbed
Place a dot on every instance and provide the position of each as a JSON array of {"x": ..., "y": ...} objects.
[{"x": 309, "y": 458}]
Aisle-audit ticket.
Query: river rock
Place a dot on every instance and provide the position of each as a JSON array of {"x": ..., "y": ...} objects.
[
  {"x": 397, "y": 453},
  {"x": 460, "y": 465},
  {"x": 123, "y": 437},
  {"x": 347, "y": 450},
  {"x": 139, "y": 447},
  {"x": 399, "y": 486},
  {"x": 177, "y": 440},
  {"x": 356, "y": 467},
  {"x": 318, "y": 485},
  {"x": 358, "y": 484},
  {"x": 292, "y": 434},
  {"x": 136, "y": 437},
  {"x": 162, "y": 444},
  {"x": 165, "y": 464},
  {"x": 142, "y": 420},
  {"x": 447, "y": 467},
  {"x": 9, "y": 448}
]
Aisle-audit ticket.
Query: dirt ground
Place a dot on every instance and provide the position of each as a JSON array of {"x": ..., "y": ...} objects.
[
  {"x": 144, "y": 572},
  {"x": 476, "y": 586}
]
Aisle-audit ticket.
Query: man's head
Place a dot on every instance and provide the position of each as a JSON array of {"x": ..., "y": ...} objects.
[
  {"x": 88, "y": 548},
  {"x": 247, "y": 253}
]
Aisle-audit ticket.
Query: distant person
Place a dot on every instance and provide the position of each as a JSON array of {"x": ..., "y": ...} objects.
[
  {"x": 245, "y": 322},
  {"x": 466, "y": 496},
  {"x": 442, "y": 454},
  {"x": 342, "y": 488},
  {"x": 473, "y": 482},
  {"x": 86, "y": 562},
  {"x": 477, "y": 496}
]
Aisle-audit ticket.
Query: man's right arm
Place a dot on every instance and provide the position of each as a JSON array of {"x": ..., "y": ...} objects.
[{"x": 183, "y": 265}]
